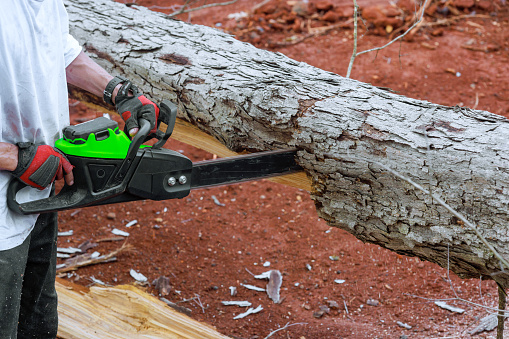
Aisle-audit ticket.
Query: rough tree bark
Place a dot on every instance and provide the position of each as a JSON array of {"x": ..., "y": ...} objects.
[{"x": 258, "y": 100}]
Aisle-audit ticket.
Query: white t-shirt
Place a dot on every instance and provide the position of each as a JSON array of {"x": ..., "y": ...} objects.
[{"x": 35, "y": 49}]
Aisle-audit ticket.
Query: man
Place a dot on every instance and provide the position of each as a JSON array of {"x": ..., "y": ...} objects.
[{"x": 37, "y": 58}]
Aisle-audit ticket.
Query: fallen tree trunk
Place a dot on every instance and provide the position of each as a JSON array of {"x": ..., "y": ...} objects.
[{"x": 250, "y": 99}]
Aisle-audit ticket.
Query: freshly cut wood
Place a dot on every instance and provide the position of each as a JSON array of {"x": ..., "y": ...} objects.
[
  {"x": 122, "y": 312},
  {"x": 250, "y": 99}
]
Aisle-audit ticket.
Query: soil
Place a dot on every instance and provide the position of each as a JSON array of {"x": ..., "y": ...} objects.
[{"x": 334, "y": 286}]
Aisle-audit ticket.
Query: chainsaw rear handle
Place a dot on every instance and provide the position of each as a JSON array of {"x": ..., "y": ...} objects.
[{"x": 80, "y": 193}]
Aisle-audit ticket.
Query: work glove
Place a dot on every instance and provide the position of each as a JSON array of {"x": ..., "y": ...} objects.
[
  {"x": 39, "y": 166},
  {"x": 133, "y": 106}
]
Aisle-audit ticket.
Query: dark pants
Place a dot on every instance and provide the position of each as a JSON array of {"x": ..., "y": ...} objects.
[{"x": 28, "y": 299}]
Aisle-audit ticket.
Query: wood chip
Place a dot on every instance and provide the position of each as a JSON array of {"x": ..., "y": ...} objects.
[
  {"x": 97, "y": 281},
  {"x": 75, "y": 213},
  {"x": 254, "y": 288},
  {"x": 408, "y": 327},
  {"x": 88, "y": 244},
  {"x": 486, "y": 48},
  {"x": 68, "y": 250},
  {"x": 445, "y": 306},
  {"x": 248, "y": 312},
  {"x": 110, "y": 239},
  {"x": 373, "y": 302},
  {"x": 119, "y": 232},
  {"x": 233, "y": 291},
  {"x": 86, "y": 260},
  {"x": 274, "y": 286},
  {"x": 428, "y": 46},
  {"x": 131, "y": 223},
  {"x": 264, "y": 275},
  {"x": 236, "y": 303},
  {"x": 162, "y": 285},
  {"x": 487, "y": 323},
  {"x": 216, "y": 201},
  {"x": 65, "y": 233},
  {"x": 138, "y": 276}
]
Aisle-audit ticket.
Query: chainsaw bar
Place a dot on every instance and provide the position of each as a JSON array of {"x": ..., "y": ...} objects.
[
  {"x": 226, "y": 171},
  {"x": 243, "y": 168}
]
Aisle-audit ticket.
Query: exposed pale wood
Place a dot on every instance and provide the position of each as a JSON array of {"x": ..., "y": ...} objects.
[
  {"x": 249, "y": 99},
  {"x": 122, "y": 312}
]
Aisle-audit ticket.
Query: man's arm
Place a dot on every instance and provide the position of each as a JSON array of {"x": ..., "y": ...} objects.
[
  {"x": 32, "y": 159},
  {"x": 84, "y": 73},
  {"x": 8, "y": 156}
]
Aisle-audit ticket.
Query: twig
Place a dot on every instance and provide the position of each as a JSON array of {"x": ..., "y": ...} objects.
[
  {"x": 444, "y": 22},
  {"x": 263, "y": 3},
  {"x": 176, "y": 307},
  {"x": 110, "y": 239},
  {"x": 183, "y": 10},
  {"x": 318, "y": 31},
  {"x": 476, "y": 100},
  {"x": 283, "y": 328},
  {"x": 355, "y": 54},
  {"x": 198, "y": 302},
  {"x": 248, "y": 271},
  {"x": 480, "y": 291},
  {"x": 501, "y": 312},
  {"x": 75, "y": 263},
  {"x": 488, "y": 308},
  {"x": 402, "y": 35}
]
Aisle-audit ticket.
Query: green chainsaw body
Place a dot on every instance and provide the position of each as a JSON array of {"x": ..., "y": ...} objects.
[{"x": 110, "y": 168}]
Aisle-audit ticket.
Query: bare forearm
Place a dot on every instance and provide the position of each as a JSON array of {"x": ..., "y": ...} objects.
[
  {"x": 86, "y": 74},
  {"x": 8, "y": 156}
]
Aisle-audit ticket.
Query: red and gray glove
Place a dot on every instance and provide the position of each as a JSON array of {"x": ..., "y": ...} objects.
[
  {"x": 133, "y": 106},
  {"x": 39, "y": 166}
]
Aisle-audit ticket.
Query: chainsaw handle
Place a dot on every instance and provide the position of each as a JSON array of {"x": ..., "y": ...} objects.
[
  {"x": 68, "y": 197},
  {"x": 168, "y": 116},
  {"x": 78, "y": 194}
]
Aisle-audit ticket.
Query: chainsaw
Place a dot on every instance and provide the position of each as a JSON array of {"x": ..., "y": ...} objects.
[{"x": 110, "y": 168}]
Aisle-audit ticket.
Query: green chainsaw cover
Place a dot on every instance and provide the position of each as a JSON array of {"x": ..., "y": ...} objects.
[{"x": 99, "y": 138}]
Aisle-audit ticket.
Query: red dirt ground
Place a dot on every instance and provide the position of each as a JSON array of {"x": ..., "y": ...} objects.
[{"x": 205, "y": 248}]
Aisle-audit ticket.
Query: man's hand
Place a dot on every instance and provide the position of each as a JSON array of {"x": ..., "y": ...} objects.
[
  {"x": 133, "y": 106},
  {"x": 39, "y": 166}
]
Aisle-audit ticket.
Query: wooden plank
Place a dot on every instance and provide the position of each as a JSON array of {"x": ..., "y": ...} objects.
[{"x": 122, "y": 312}]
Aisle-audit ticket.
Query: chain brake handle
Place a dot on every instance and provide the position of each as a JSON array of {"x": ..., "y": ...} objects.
[{"x": 167, "y": 116}]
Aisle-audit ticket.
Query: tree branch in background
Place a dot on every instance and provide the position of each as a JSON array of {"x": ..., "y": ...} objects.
[
  {"x": 185, "y": 8},
  {"x": 355, "y": 54}
]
